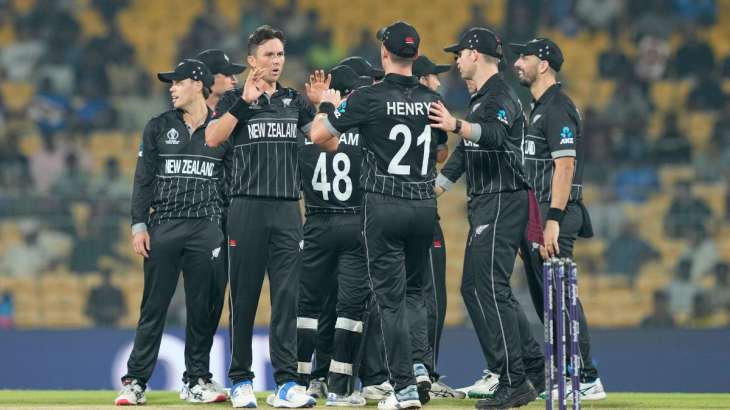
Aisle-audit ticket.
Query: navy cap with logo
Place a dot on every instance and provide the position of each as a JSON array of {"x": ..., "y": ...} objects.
[
  {"x": 480, "y": 39},
  {"x": 219, "y": 63},
  {"x": 345, "y": 79},
  {"x": 423, "y": 66},
  {"x": 542, "y": 48},
  {"x": 188, "y": 68},
  {"x": 400, "y": 38},
  {"x": 362, "y": 67}
]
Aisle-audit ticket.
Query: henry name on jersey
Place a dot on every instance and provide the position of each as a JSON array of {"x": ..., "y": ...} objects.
[
  {"x": 189, "y": 167},
  {"x": 407, "y": 108}
]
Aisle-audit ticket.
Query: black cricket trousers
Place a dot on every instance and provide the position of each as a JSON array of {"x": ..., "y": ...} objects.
[
  {"x": 497, "y": 225},
  {"x": 264, "y": 235},
  {"x": 333, "y": 258},
  {"x": 397, "y": 234},
  {"x": 193, "y": 246},
  {"x": 573, "y": 221},
  {"x": 435, "y": 297}
]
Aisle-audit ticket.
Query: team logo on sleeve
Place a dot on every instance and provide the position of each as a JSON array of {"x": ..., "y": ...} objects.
[
  {"x": 173, "y": 137},
  {"x": 141, "y": 150},
  {"x": 566, "y": 136},
  {"x": 502, "y": 117}
]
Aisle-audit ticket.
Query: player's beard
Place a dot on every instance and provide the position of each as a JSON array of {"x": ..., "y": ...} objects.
[{"x": 525, "y": 78}]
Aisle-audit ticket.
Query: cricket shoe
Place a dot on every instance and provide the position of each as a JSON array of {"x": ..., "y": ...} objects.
[
  {"x": 406, "y": 398},
  {"x": 317, "y": 388},
  {"x": 377, "y": 392},
  {"x": 423, "y": 382},
  {"x": 211, "y": 386},
  {"x": 290, "y": 395},
  {"x": 506, "y": 397},
  {"x": 242, "y": 395},
  {"x": 131, "y": 394},
  {"x": 441, "y": 390},
  {"x": 353, "y": 400},
  {"x": 204, "y": 392},
  {"x": 482, "y": 388},
  {"x": 589, "y": 391}
]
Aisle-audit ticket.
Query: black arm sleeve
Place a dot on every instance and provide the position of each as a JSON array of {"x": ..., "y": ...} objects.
[
  {"x": 144, "y": 174},
  {"x": 455, "y": 166}
]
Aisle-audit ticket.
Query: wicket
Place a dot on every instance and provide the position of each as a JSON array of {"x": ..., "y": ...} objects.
[{"x": 555, "y": 315}]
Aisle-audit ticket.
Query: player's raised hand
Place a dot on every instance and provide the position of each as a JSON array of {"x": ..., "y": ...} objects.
[
  {"x": 253, "y": 87},
  {"x": 331, "y": 96},
  {"x": 318, "y": 84},
  {"x": 441, "y": 118},
  {"x": 141, "y": 243}
]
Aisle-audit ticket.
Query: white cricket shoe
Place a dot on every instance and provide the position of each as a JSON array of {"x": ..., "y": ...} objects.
[
  {"x": 407, "y": 398},
  {"x": 242, "y": 395},
  {"x": 353, "y": 400},
  {"x": 131, "y": 394},
  {"x": 290, "y": 395},
  {"x": 377, "y": 392},
  {"x": 588, "y": 391},
  {"x": 204, "y": 392},
  {"x": 317, "y": 388},
  {"x": 441, "y": 390},
  {"x": 482, "y": 388}
]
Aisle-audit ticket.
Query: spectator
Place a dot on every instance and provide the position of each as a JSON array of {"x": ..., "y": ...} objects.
[
  {"x": 686, "y": 212},
  {"x": 613, "y": 63},
  {"x": 523, "y": 16},
  {"x": 672, "y": 147},
  {"x": 701, "y": 253},
  {"x": 49, "y": 109},
  {"x": 46, "y": 164},
  {"x": 598, "y": 14},
  {"x": 706, "y": 95},
  {"x": 635, "y": 181},
  {"x": 721, "y": 130},
  {"x": 94, "y": 112},
  {"x": 29, "y": 257},
  {"x": 106, "y": 305},
  {"x": 694, "y": 56},
  {"x": 628, "y": 253},
  {"x": 661, "y": 315},
  {"x": 112, "y": 184},
  {"x": 703, "y": 314},
  {"x": 681, "y": 290},
  {"x": 720, "y": 291},
  {"x": 367, "y": 48},
  {"x": 628, "y": 107},
  {"x": 74, "y": 181},
  {"x": 651, "y": 58},
  {"x": 725, "y": 68},
  {"x": 20, "y": 57},
  {"x": 702, "y": 12},
  {"x": 7, "y": 311}
]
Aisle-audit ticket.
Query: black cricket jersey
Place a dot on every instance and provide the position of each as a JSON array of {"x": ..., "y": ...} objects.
[
  {"x": 493, "y": 163},
  {"x": 555, "y": 131},
  {"x": 398, "y": 144},
  {"x": 266, "y": 147},
  {"x": 177, "y": 175},
  {"x": 331, "y": 180}
]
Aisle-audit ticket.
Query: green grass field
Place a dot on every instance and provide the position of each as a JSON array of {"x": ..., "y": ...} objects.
[{"x": 99, "y": 399}]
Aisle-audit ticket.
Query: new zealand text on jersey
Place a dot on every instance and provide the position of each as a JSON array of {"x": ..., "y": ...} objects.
[
  {"x": 189, "y": 167},
  {"x": 272, "y": 130}
]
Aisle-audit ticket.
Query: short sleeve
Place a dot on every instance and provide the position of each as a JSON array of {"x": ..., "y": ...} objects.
[
  {"x": 351, "y": 113},
  {"x": 306, "y": 114},
  {"x": 561, "y": 131},
  {"x": 226, "y": 102}
]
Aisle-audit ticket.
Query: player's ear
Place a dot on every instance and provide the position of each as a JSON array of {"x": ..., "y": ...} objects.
[
  {"x": 251, "y": 60},
  {"x": 543, "y": 67}
]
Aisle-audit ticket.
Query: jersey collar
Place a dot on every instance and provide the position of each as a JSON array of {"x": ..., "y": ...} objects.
[
  {"x": 493, "y": 79},
  {"x": 548, "y": 94}
]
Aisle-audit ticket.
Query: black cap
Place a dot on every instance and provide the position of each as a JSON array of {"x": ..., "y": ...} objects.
[
  {"x": 188, "y": 68},
  {"x": 362, "y": 67},
  {"x": 219, "y": 63},
  {"x": 400, "y": 38},
  {"x": 480, "y": 39},
  {"x": 345, "y": 79},
  {"x": 542, "y": 48},
  {"x": 423, "y": 67}
]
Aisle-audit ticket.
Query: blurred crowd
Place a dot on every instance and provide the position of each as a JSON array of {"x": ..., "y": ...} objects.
[{"x": 70, "y": 209}]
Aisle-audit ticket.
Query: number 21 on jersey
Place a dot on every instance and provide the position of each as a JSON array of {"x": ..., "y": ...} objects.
[
  {"x": 395, "y": 167},
  {"x": 341, "y": 168}
]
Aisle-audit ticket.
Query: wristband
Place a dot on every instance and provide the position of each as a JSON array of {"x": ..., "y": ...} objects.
[
  {"x": 458, "y": 127},
  {"x": 555, "y": 214},
  {"x": 326, "y": 108},
  {"x": 240, "y": 110}
]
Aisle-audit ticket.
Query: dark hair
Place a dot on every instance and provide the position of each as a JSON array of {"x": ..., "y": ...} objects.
[
  {"x": 402, "y": 61},
  {"x": 206, "y": 92},
  {"x": 261, "y": 35}
]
